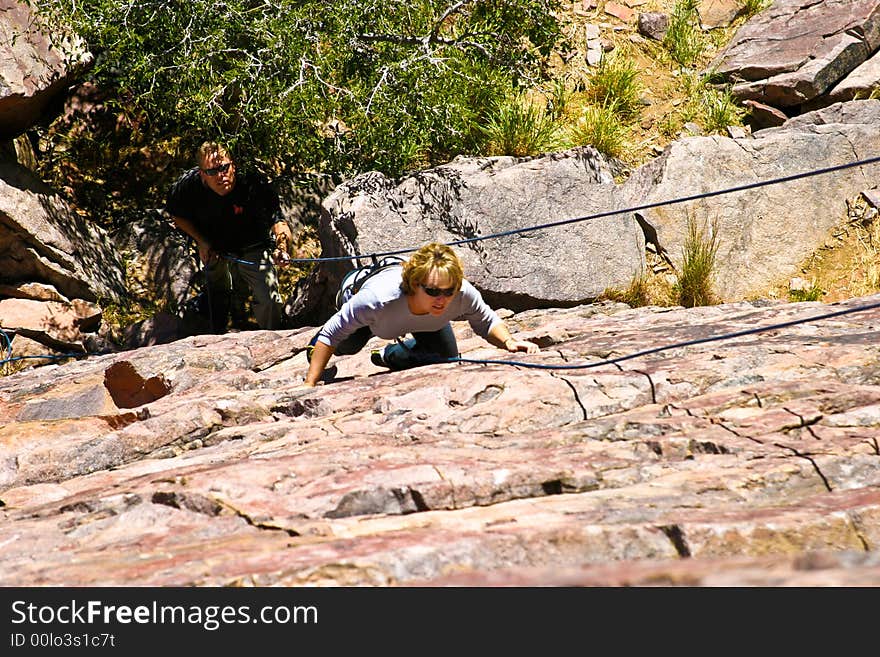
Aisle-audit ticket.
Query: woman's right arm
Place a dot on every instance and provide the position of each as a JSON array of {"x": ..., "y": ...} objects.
[{"x": 320, "y": 358}]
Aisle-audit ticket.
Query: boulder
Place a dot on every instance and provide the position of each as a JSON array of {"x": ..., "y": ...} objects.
[
  {"x": 653, "y": 24},
  {"x": 767, "y": 231},
  {"x": 718, "y": 13},
  {"x": 61, "y": 321},
  {"x": 476, "y": 197},
  {"x": 43, "y": 240},
  {"x": 37, "y": 62},
  {"x": 861, "y": 82},
  {"x": 797, "y": 50}
]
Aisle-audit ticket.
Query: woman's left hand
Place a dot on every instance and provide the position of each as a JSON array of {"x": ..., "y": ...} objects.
[{"x": 521, "y": 345}]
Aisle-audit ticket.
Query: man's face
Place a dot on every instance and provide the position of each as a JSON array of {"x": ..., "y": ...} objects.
[{"x": 218, "y": 173}]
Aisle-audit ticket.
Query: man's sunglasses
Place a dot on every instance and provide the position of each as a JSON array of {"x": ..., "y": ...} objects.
[
  {"x": 437, "y": 291},
  {"x": 213, "y": 171}
]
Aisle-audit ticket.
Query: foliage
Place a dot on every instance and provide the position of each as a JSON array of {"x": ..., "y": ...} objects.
[
  {"x": 636, "y": 295},
  {"x": 517, "y": 126},
  {"x": 753, "y": 7},
  {"x": 615, "y": 83},
  {"x": 713, "y": 107},
  {"x": 684, "y": 40},
  {"x": 601, "y": 127},
  {"x": 558, "y": 99},
  {"x": 720, "y": 110},
  {"x": 693, "y": 286},
  {"x": 812, "y": 293},
  {"x": 343, "y": 86}
]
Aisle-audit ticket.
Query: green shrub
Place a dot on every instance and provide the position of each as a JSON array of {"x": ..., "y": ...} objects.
[
  {"x": 635, "y": 295},
  {"x": 693, "y": 286},
  {"x": 812, "y": 293},
  {"x": 519, "y": 127},
  {"x": 601, "y": 127},
  {"x": 719, "y": 110},
  {"x": 558, "y": 99},
  {"x": 615, "y": 83},
  {"x": 684, "y": 39},
  {"x": 753, "y": 7},
  {"x": 409, "y": 82}
]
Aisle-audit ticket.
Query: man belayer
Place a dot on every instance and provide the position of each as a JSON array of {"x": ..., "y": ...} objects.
[{"x": 236, "y": 222}]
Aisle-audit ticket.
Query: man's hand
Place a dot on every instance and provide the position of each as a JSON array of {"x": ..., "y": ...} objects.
[
  {"x": 281, "y": 254},
  {"x": 280, "y": 258},
  {"x": 206, "y": 253}
]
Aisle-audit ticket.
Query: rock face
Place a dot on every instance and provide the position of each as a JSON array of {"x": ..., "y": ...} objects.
[
  {"x": 43, "y": 240},
  {"x": 36, "y": 63},
  {"x": 689, "y": 460},
  {"x": 794, "y": 52}
]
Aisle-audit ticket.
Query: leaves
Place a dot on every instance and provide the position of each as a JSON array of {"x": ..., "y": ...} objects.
[{"x": 409, "y": 79}]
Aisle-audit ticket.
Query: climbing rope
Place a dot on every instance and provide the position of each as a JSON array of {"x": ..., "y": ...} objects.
[
  {"x": 677, "y": 345},
  {"x": 607, "y": 213},
  {"x": 563, "y": 222}
]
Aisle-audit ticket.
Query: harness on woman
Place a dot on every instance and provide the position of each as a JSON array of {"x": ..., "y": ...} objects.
[{"x": 355, "y": 279}]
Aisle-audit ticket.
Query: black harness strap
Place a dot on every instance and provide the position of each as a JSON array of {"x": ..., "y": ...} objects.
[{"x": 356, "y": 278}]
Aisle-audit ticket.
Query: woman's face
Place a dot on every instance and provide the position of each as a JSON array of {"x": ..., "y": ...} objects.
[{"x": 422, "y": 303}]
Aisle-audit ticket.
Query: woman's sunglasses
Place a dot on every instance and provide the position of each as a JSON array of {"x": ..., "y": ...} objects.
[
  {"x": 437, "y": 291},
  {"x": 213, "y": 171}
]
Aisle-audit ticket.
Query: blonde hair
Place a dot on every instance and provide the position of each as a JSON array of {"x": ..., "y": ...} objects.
[
  {"x": 209, "y": 148},
  {"x": 431, "y": 257}
]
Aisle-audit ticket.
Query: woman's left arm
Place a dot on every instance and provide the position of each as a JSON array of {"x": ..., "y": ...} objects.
[{"x": 499, "y": 335}]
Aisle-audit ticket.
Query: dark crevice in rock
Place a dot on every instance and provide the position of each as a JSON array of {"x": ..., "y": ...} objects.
[
  {"x": 553, "y": 487},
  {"x": 259, "y": 525},
  {"x": 674, "y": 534},
  {"x": 650, "y": 382},
  {"x": 488, "y": 393},
  {"x": 188, "y": 502},
  {"x": 873, "y": 443},
  {"x": 707, "y": 447},
  {"x": 129, "y": 389},
  {"x": 389, "y": 501},
  {"x": 209, "y": 507},
  {"x": 812, "y": 462},
  {"x": 307, "y": 407},
  {"x": 654, "y": 446},
  {"x": 803, "y": 424},
  {"x": 721, "y": 424},
  {"x": 576, "y": 396}
]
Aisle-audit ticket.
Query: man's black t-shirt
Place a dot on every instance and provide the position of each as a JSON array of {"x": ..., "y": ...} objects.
[{"x": 233, "y": 222}]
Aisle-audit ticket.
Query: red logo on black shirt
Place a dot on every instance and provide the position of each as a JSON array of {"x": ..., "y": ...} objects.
[{"x": 237, "y": 209}]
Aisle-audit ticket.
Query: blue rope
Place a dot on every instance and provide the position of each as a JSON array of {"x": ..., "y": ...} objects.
[
  {"x": 11, "y": 359},
  {"x": 677, "y": 345},
  {"x": 563, "y": 222},
  {"x": 608, "y": 213}
]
